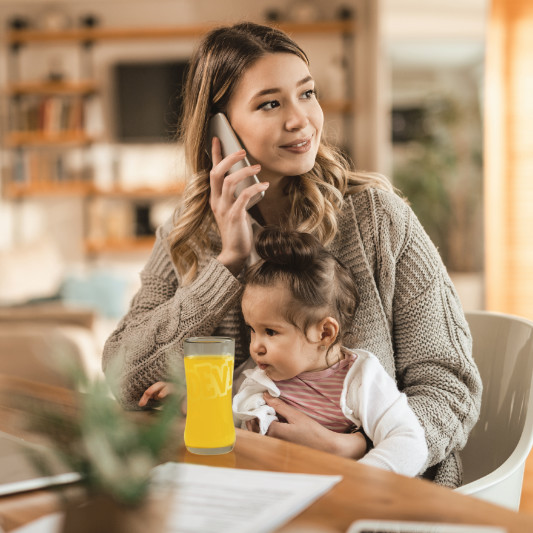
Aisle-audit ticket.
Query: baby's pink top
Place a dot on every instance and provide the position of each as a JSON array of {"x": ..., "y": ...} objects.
[{"x": 318, "y": 394}]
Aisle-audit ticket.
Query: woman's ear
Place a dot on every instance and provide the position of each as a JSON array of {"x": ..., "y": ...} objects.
[{"x": 328, "y": 329}]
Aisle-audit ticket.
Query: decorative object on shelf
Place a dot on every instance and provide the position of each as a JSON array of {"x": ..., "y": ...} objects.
[
  {"x": 273, "y": 15},
  {"x": 89, "y": 21},
  {"x": 331, "y": 80},
  {"x": 54, "y": 18},
  {"x": 55, "y": 69},
  {"x": 18, "y": 23},
  {"x": 113, "y": 451},
  {"x": 345, "y": 13},
  {"x": 303, "y": 11}
]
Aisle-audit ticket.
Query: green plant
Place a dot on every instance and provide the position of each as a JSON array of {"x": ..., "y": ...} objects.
[
  {"x": 440, "y": 173},
  {"x": 113, "y": 450}
]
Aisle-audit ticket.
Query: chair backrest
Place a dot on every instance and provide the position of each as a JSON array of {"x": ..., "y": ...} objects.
[
  {"x": 502, "y": 439},
  {"x": 39, "y": 351}
]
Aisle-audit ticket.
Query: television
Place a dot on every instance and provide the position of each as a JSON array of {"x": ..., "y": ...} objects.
[{"x": 148, "y": 100}]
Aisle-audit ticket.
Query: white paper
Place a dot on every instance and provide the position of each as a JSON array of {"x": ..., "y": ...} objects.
[
  {"x": 225, "y": 500},
  {"x": 51, "y": 523},
  {"x": 229, "y": 500}
]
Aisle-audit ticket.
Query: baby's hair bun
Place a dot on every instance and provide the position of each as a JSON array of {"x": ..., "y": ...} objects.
[{"x": 290, "y": 249}]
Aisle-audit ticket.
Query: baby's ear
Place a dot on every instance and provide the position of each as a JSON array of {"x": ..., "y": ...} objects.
[{"x": 328, "y": 331}]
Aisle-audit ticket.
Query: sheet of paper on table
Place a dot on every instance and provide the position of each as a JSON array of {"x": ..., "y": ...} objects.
[
  {"x": 237, "y": 501},
  {"x": 225, "y": 500}
]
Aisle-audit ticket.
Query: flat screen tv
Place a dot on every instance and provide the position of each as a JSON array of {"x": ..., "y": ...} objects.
[{"x": 148, "y": 100}]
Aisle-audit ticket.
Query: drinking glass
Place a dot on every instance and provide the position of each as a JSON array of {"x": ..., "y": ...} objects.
[{"x": 209, "y": 428}]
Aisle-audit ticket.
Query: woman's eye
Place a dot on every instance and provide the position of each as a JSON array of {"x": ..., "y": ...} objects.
[
  {"x": 269, "y": 105},
  {"x": 309, "y": 94},
  {"x": 270, "y": 332}
]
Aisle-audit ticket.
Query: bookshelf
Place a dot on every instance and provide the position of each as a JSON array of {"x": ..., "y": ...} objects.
[
  {"x": 49, "y": 136},
  {"x": 85, "y": 35}
]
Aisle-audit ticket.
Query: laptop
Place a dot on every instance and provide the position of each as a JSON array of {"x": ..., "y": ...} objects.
[{"x": 17, "y": 472}]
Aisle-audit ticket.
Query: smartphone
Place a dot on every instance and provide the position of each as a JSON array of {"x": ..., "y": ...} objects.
[
  {"x": 220, "y": 127},
  {"x": 392, "y": 526}
]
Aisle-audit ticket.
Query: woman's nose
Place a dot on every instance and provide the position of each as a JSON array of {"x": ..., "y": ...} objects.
[{"x": 296, "y": 118}]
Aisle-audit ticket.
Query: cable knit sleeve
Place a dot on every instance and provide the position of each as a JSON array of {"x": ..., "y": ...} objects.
[
  {"x": 431, "y": 338},
  {"x": 161, "y": 315}
]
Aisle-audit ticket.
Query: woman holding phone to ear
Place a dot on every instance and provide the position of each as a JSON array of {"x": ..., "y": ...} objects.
[{"x": 409, "y": 314}]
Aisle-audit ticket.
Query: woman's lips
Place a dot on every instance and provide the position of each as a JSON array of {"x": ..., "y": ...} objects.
[{"x": 298, "y": 147}]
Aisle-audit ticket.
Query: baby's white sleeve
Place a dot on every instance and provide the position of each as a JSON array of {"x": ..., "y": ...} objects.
[{"x": 371, "y": 398}]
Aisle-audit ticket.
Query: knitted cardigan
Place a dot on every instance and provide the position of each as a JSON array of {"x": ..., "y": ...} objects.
[{"x": 409, "y": 316}]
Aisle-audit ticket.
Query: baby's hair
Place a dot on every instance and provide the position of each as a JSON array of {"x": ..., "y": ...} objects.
[{"x": 319, "y": 284}]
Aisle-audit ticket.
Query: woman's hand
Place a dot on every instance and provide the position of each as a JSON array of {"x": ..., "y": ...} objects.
[
  {"x": 230, "y": 212},
  {"x": 302, "y": 429}
]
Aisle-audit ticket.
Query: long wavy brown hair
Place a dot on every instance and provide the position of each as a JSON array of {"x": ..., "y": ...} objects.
[{"x": 217, "y": 66}]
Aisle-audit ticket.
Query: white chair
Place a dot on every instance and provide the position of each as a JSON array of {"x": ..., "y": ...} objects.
[{"x": 496, "y": 451}]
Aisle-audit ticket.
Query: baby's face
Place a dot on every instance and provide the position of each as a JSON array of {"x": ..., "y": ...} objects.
[{"x": 277, "y": 346}]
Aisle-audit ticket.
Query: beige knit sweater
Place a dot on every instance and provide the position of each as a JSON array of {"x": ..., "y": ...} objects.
[{"x": 409, "y": 316}]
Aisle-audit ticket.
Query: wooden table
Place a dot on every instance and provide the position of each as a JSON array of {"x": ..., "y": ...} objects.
[{"x": 364, "y": 492}]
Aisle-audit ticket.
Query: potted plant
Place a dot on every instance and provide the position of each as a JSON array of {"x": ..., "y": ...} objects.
[
  {"x": 113, "y": 450},
  {"x": 440, "y": 172}
]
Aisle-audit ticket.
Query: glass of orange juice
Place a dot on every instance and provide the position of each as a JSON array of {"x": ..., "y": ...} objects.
[{"x": 208, "y": 361}]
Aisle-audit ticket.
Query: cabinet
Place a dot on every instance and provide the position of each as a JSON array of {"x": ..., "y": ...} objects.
[{"x": 51, "y": 135}]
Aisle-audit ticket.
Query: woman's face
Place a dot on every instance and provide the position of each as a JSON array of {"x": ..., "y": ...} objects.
[{"x": 275, "y": 113}]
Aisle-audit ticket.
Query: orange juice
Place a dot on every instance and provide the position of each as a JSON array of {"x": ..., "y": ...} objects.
[{"x": 209, "y": 424}]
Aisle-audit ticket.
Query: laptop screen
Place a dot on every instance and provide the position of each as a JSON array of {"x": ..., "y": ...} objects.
[{"x": 17, "y": 472}]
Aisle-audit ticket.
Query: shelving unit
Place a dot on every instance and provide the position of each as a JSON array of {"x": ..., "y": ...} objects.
[
  {"x": 102, "y": 240},
  {"x": 84, "y": 35},
  {"x": 48, "y": 118}
]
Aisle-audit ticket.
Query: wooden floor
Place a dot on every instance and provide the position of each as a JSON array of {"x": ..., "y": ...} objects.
[{"x": 526, "y": 502}]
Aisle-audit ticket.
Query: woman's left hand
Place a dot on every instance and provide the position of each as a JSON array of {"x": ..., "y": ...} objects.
[{"x": 302, "y": 429}]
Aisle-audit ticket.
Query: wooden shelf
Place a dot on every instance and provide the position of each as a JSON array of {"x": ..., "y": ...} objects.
[
  {"x": 133, "y": 244},
  {"x": 336, "y": 106},
  {"x": 82, "y": 188},
  {"x": 47, "y": 188},
  {"x": 16, "y": 139},
  {"x": 140, "y": 192},
  {"x": 171, "y": 32},
  {"x": 84, "y": 87}
]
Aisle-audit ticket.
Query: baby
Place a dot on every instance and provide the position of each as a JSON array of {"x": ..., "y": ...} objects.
[{"x": 299, "y": 304}]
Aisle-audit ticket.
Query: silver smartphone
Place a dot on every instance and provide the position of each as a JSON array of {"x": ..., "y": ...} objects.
[
  {"x": 393, "y": 526},
  {"x": 220, "y": 127}
]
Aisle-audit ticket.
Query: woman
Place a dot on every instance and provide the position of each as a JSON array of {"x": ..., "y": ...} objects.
[{"x": 409, "y": 314}]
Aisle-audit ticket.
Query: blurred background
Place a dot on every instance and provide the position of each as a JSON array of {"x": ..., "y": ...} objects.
[{"x": 90, "y": 102}]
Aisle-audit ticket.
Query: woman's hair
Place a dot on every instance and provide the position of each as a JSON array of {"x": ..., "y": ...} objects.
[
  {"x": 319, "y": 284},
  {"x": 217, "y": 66}
]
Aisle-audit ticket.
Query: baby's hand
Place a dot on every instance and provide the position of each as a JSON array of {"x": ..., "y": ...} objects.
[
  {"x": 253, "y": 425},
  {"x": 157, "y": 391}
]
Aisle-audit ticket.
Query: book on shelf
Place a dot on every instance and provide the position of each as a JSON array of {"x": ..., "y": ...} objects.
[
  {"x": 53, "y": 114},
  {"x": 49, "y": 167}
]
